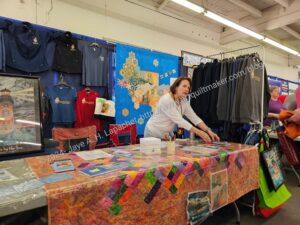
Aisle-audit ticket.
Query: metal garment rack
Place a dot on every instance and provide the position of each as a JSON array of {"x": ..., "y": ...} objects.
[{"x": 242, "y": 51}]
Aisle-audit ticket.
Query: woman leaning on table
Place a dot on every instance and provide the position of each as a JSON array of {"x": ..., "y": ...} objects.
[{"x": 170, "y": 111}]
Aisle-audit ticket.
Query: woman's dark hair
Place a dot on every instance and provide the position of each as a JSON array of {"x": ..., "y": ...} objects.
[{"x": 178, "y": 82}]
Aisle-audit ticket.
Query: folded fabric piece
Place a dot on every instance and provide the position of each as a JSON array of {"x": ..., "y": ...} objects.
[{"x": 292, "y": 130}]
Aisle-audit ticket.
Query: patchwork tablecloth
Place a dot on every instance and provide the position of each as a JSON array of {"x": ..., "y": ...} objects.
[{"x": 153, "y": 188}]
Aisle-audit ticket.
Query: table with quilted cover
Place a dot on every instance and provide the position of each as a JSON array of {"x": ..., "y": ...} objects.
[{"x": 152, "y": 189}]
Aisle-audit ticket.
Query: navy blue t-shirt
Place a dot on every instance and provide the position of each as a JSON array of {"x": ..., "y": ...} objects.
[{"x": 62, "y": 100}]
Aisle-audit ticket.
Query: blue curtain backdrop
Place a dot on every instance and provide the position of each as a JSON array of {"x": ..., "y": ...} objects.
[{"x": 142, "y": 77}]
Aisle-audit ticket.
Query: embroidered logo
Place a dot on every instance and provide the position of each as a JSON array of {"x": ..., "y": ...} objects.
[
  {"x": 72, "y": 47},
  {"x": 35, "y": 41},
  {"x": 57, "y": 100},
  {"x": 84, "y": 101}
]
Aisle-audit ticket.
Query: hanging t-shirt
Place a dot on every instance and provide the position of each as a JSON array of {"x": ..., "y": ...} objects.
[
  {"x": 26, "y": 47},
  {"x": 2, "y": 51},
  {"x": 85, "y": 107},
  {"x": 67, "y": 57},
  {"x": 95, "y": 66},
  {"x": 62, "y": 100}
]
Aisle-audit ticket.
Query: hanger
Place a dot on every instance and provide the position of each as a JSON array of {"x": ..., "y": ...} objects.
[
  {"x": 87, "y": 89},
  {"x": 67, "y": 34},
  {"x": 94, "y": 44},
  {"x": 26, "y": 26},
  {"x": 62, "y": 81}
]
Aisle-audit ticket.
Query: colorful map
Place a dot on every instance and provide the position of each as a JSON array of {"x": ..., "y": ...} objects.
[{"x": 143, "y": 76}]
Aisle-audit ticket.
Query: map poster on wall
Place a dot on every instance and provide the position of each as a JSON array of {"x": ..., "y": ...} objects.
[
  {"x": 143, "y": 76},
  {"x": 20, "y": 120}
]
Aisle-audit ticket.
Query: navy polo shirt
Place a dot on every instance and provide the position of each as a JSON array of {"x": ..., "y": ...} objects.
[{"x": 62, "y": 100}]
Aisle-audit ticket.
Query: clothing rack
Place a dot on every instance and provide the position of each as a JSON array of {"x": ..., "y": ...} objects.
[
  {"x": 260, "y": 123},
  {"x": 262, "y": 57},
  {"x": 237, "y": 50}
]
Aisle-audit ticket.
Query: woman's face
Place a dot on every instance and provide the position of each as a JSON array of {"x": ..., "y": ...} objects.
[
  {"x": 275, "y": 93},
  {"x": 183, "y": 89}
]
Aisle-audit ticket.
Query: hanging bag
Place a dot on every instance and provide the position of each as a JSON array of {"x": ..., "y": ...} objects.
[
  {"x": 288, "y": 147},
  {"x": 75, "y": 139}
]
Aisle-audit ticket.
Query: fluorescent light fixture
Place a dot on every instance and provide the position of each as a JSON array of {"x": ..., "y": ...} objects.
[
  {"x": 233, "y": 25},
  {"x": 278, "y": 45},
  {"x": 190, "y": 5}
]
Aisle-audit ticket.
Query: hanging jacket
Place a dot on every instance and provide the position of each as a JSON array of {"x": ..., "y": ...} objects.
[
  {"x": 26, "y": 47},
  {"x": 197, "y": 82},
  {"x": 223, "y": 92},
  {"x": 67, "y": 57},
  {"x": 213, "y": 120}
]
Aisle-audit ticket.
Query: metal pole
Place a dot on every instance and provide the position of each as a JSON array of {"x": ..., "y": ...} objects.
[
  {"x": 235, "y": 50},
  {"x": 262, "y": 88}
]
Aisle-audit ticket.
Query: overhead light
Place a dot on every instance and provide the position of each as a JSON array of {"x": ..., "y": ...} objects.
[
  {"x": 190, "y": 5},
  {"x": 278, "y": 45},
  {"x": 233, "y": 25}
]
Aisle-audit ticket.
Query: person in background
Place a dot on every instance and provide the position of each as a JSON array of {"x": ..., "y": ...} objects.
[
  {"x": 296, "y": 117},
  {"x": 275, "y": 106},
  {"x": 170, "y": 111}
]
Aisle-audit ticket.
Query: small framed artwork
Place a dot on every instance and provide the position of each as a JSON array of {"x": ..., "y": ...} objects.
[
  {"x": 198, "y": 207},
  {"x": 20, "y": 115},
  {"x": 218, "y": 189},
  {"x": 272, "y": 165}
]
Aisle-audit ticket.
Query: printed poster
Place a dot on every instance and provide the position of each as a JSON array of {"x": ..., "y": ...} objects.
[
  {"x": 143, "y": 76},
  {"x": 198, "y": 207},
  {"x": 218, "y": 189}
]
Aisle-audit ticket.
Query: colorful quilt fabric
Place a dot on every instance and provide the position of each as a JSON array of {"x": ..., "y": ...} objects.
[{"x": 152, "y": 189}]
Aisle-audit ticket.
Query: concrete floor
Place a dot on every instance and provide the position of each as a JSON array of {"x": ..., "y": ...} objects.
[{"x": 288, "y": 215}]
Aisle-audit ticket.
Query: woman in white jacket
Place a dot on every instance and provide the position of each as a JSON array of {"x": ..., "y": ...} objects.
[{"x": 170, "y": 111}]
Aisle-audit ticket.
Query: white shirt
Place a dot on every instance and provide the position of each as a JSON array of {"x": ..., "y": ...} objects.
[{"x": 168, "y": 114}]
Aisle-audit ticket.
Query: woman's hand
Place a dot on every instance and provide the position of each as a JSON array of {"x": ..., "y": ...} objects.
[
  {"x": 204, "y": 136},
  {"x": 296, "y": 117},
  {"x": 213, "y": 136},
  {"x": 273, "y": 115}
]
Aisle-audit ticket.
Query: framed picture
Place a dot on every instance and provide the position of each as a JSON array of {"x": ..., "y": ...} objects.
[
  {"x": 20, "y": 115},
  {"x": 272, "y": 166},
  {"x": 218, "y": 189},
  {"x": 198, "y": 207}
]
